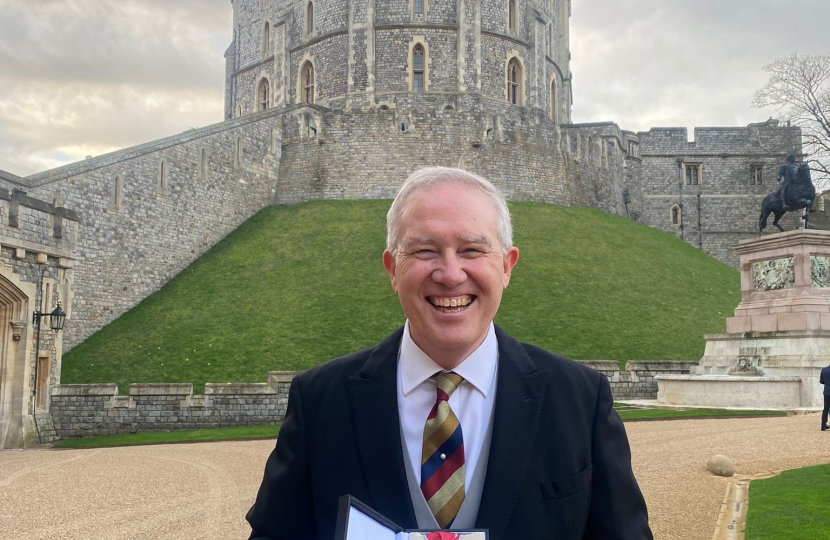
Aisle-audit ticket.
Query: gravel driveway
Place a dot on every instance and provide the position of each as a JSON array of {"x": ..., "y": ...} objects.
[{"x": 203, "y": 490}]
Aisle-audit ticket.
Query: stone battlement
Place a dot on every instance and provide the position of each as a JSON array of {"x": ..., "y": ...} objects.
[{"x": 755, "y": 139}]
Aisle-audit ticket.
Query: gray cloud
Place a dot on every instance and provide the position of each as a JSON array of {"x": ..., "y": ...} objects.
[
  {"x": 649, "y": 63},
  {"x": 85, "y": 77},
  {"x": 141, "y": 43}
]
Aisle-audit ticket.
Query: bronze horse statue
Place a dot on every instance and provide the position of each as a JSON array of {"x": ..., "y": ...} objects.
[{"x": 797, "y": 192}]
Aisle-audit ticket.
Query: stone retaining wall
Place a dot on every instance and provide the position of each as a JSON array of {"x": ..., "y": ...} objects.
[
  {"x": 638, "y": 381},
  {"x": 87, "y": 410}
]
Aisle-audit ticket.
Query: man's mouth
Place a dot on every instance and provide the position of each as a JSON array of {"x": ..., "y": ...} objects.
[{"x": 451, "y": 304}]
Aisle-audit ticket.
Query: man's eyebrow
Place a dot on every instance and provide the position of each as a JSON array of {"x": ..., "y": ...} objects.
[
  {"x": 476, "y": 240},
  {"x": 417, "y": 240}
]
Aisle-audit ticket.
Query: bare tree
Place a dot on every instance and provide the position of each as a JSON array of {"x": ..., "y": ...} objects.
[{"x": 799, "y": 88}]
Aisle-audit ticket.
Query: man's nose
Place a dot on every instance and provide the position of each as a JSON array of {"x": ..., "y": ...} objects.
[{"x": 450, "y": 271}]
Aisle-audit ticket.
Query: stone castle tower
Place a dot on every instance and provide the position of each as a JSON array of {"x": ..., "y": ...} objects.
[
  {"x": 342, "y": 99},
  {"x": 400, "y": 54}
]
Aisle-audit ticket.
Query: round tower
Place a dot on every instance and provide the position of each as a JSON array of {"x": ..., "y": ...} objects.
[{"x": 405, "y": 54}]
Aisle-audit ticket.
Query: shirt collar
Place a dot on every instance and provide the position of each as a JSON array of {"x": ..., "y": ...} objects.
[{"x": 479, "y": 369}]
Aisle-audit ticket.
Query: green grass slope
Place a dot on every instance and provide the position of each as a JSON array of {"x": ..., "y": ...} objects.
[
  {"x": 791, "y": 506},
  {"x": 297, "y": 285}
]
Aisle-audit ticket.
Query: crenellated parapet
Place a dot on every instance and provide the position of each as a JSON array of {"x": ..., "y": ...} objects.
[{"x": 764, "y": 137}]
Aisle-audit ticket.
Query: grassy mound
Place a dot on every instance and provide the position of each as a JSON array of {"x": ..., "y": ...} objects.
[{"x": 297, "y": 285}]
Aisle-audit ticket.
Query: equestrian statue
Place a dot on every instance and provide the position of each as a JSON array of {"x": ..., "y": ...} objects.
[{"x": 796, "y": 192}]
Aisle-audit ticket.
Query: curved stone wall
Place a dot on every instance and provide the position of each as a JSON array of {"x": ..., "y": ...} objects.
[{"x": 361, "y": 52}]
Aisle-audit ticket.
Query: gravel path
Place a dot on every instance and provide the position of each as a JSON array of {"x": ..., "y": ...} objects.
[{"x": 203, "y": 490}]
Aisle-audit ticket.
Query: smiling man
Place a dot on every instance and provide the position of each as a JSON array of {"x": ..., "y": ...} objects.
[{"x": 450, "y": 422}]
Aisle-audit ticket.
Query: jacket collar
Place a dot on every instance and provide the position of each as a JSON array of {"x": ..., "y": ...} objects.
[
  {"x": 374, "y": 407},
  {"x": 520, "y": 393}
]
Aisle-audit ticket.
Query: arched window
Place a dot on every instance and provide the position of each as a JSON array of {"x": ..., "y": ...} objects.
[
  {"x": 266, "y": 39},
  {"x": 263, "y": 93},
  {"x": 676, "y": 215},
  {"x": 514, "y": 82},
  {"x": 309, "y": 19},
  {"x": 418, "y": 69},
  {"x": 554, "y": 100},
  {"x": 307, "y": 83},
  {"x": 512, "y": 24},
  {"x": 239, "y": 110},
  {"x": 419, "y": 7}
]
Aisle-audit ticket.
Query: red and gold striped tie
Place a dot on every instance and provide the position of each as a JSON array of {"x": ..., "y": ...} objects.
[{"x": 442, "y": 457}]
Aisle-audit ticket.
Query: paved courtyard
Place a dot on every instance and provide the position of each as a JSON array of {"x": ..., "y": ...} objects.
[{"x": 203, "y": 490}]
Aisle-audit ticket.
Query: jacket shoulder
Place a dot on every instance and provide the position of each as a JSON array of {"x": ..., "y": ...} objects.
[{"x": 334, "y": 374}]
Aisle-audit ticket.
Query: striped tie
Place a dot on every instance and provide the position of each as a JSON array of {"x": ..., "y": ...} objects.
[{"x": 442, "y": 457}]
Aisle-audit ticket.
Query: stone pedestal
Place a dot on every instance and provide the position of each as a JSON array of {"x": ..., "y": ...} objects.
[
  {"x": 779, "y": 338},
  {"x": 785, "y": 283}
]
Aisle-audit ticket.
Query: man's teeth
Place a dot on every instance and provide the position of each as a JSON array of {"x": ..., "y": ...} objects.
[{"x": 458, "y": 303}]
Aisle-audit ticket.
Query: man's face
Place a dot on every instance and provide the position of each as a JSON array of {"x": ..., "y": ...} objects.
[{"x": 450, "y": 271}]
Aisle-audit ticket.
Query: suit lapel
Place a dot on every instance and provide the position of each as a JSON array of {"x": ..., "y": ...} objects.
[
  {"x": 520, "y": 393},
  {"x": 374, "y": 409}
]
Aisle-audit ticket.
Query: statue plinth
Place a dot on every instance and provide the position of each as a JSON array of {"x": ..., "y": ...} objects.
[
  {"x": 785, "y": 283},
  {"x": 779, "y": 338}
]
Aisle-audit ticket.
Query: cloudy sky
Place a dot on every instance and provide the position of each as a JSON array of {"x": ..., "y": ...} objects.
[{"x": 85, "y": 77}]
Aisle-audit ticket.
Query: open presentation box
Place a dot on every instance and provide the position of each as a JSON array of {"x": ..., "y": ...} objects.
[{"x": 356, "y": 521}]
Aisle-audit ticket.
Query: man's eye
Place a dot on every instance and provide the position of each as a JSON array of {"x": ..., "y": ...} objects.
[{"x": 472, "y": 252}]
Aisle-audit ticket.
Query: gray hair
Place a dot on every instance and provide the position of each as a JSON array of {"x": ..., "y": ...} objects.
[{"x": 433, "y": 176}]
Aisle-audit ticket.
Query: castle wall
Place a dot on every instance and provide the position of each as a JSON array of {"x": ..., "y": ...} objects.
[
  {"x": 330, "y": 71},
  {"x": 130, "y": 244},
  {"x": 368, "y": 155},
  {"x": 725, "y": 205}
]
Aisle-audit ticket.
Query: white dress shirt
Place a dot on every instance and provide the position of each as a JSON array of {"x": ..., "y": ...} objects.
[{"x": 472, "y": 402}]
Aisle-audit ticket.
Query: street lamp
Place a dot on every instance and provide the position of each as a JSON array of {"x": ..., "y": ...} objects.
[{"x": 56, "y": 318}]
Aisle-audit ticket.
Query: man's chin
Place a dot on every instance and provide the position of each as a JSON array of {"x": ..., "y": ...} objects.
[{"x": 446, "y": 343}]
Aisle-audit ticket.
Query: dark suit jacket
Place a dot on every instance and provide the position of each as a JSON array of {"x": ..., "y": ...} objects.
[
  {"x": 824, "y": 378},
  {"x": 559, "y": 464}
]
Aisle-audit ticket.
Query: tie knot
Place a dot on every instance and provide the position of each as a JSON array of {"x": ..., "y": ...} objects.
[{"x": 446, "y": 384}]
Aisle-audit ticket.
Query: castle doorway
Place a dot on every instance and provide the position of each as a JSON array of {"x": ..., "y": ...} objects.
[
  {"x": 44, "y": 370},
  {"x": 14, "y": 390}
]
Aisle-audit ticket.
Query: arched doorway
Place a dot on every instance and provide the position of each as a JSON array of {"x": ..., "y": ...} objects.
[{"x": 15, "y": 391}]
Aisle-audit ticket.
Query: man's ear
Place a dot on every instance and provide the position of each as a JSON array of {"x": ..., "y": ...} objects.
[
  {"x": 390, "y": 264},
  {"x": 510, "y": 261}
]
